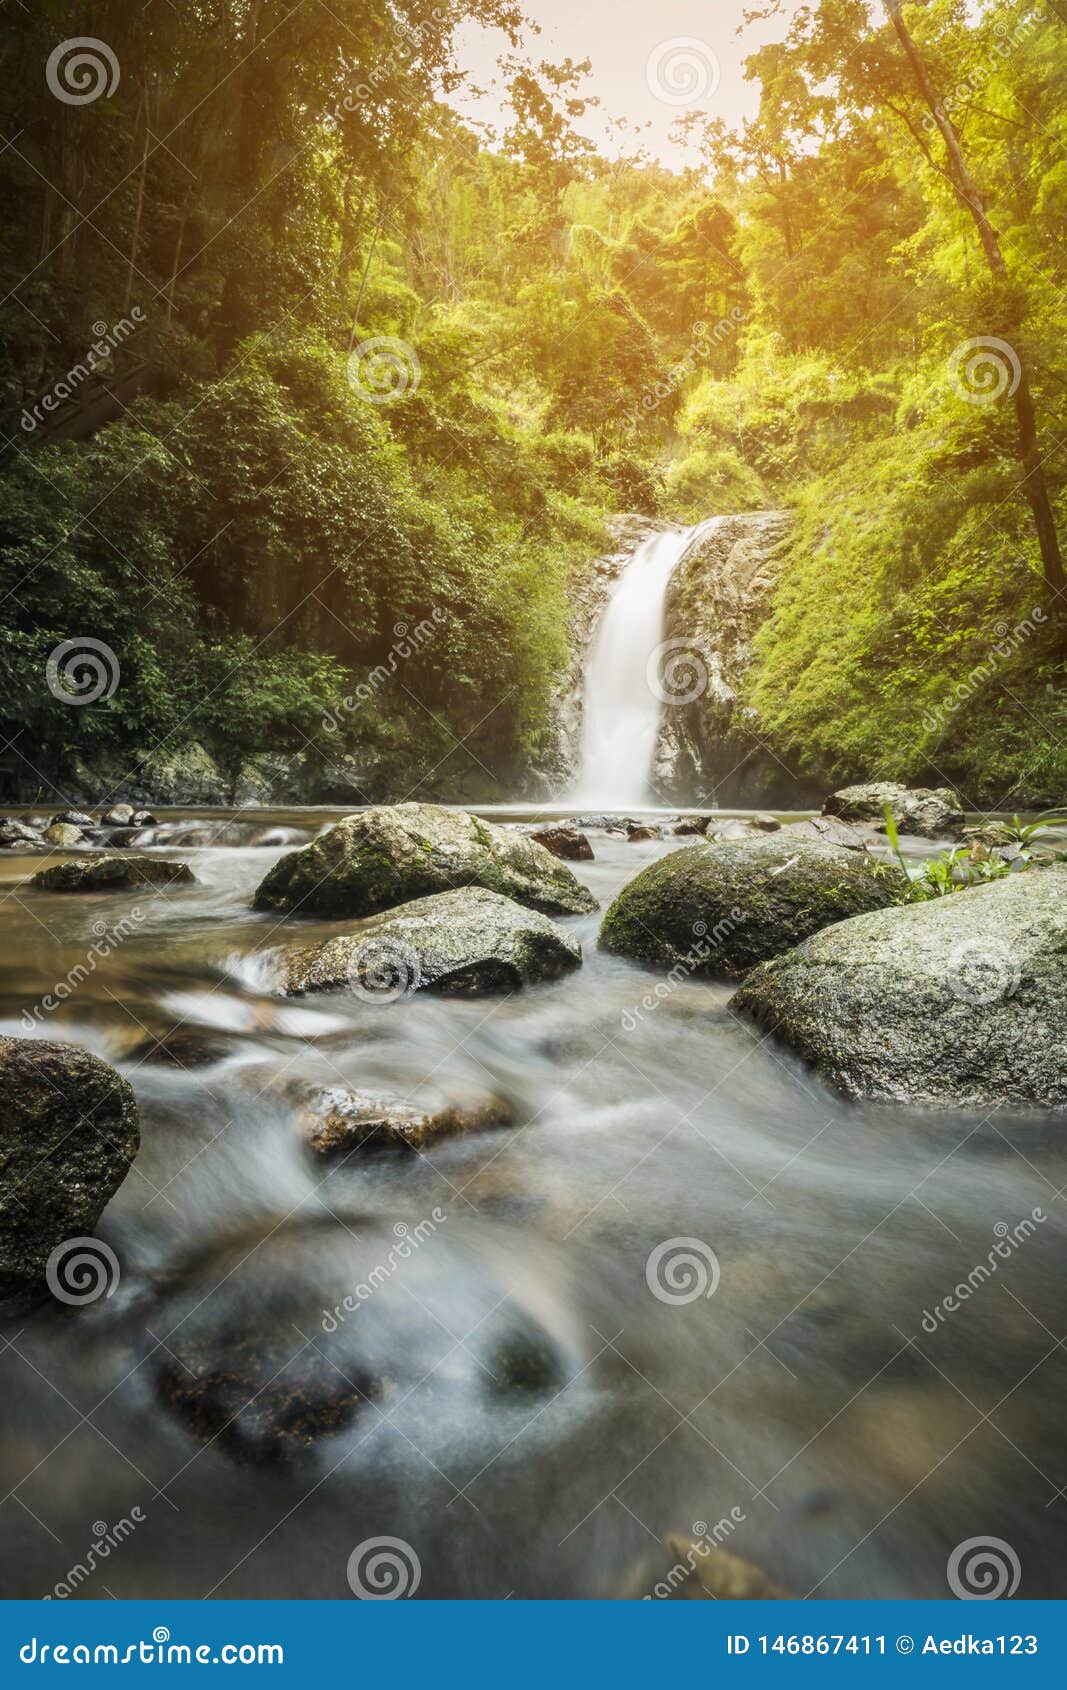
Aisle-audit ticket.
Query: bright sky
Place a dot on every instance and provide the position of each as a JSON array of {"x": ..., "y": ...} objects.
[{"x": 653, "y": 60}]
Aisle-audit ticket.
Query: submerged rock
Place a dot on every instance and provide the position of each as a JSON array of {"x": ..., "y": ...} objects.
[
  {"x": 179, "y": 1047},
  {"x": 720, "y": 908},
  {"x": 112, "y": 874},
  {"x": 523, "y": 1359},
  {"x": 931, "y": 812},
  {"x": 567, "y": 842},
  {"x": 264, "y": 1395},
  {"x": 340, "y": 1122},
  {"x": 957, "y": 1002},
  {"x": 466, "y": 942},
  {"x": 68, "y": 1136},
  {"x": 394, "y": 853}
]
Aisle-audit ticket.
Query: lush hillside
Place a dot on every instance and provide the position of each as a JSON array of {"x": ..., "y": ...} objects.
[{"x": 315, "y": 399}]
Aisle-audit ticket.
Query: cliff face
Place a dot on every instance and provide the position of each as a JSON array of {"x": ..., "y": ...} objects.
[{"x": 709, "y": 750}]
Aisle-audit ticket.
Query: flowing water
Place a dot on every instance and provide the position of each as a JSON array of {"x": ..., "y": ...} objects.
[
  {"x": 848, "y": 1433},
  {"x": 623, "y": 693}
]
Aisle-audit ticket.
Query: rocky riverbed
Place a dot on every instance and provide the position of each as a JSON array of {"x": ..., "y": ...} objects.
[{"x": 544, "y": 1281}]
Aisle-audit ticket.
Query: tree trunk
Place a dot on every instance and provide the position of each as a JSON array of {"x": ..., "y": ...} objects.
[{"x": 970, "y": 196}]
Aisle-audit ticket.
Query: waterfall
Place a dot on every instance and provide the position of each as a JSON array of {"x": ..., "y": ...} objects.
[{"x": 622, "y": 702}]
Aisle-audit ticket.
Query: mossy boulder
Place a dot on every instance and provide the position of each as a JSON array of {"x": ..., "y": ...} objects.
[
  {"x": 718, "y": 909},
  {"x": 394, "y": 853},
  {"x": 63, "y": 835},
  {"x": 112, "y": 874},
  {"x": 467, "y": 942},
  {"x": 68, "y": 1136},
  {"x": 957, "y": 1002}
]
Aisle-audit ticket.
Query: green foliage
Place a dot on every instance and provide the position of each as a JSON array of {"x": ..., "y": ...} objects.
[{"x": 582, "y": 335}]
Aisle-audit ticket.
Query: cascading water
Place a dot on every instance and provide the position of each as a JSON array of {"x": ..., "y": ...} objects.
[{"x": 622, "y": 702}]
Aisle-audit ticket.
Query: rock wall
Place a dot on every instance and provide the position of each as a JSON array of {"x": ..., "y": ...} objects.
[{"x": 709, "y": 749}]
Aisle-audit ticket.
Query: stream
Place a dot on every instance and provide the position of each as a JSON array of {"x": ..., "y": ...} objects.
[{"x": 809, "y": 1390}]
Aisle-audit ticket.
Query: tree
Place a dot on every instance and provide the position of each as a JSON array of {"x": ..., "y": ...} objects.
[{"x": 973, "y": 200}]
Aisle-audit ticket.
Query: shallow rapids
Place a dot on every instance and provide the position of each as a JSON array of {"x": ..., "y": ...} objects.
[{"x": 815, "y": 1392}]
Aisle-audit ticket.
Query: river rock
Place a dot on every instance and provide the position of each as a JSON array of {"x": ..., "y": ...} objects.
[
  {"x": 63, "y": 834},
  {"x": 112, "y": 874},
  {"x": 119, "y": 815},
  {"x": 718, "y": 909},
  {"x": 732, "y": 827},
  {"x": 68, "y": 1135},
  {"x": 956, "y": 1002},
  {"x": 931, "y": 812},
  {"x": 467, "y": 942},
  {"x": 13, "y": 834},
  {"x": 259, "y": 1393},
  {"x": 638, "y": 831},
  {"x": 566, "y": 842},
  {"x": 766, "y": 823},
  {"x": 394, "y": 853},
  {"x": 340, "y": 1121},
  {"x": 74, "y": 818},
  {"x": 829, "y": 828}
]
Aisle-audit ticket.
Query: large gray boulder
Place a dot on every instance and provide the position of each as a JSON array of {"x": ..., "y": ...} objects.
[
  {"x": 720, "y": 908},
  {"x": 931, "y": 812},
  {"x": 957, "y": 1001},
  {"x": 393, "y": 853},
  {"x": 470, "y": 941},
  {"x": 68, "y": 1136}
]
